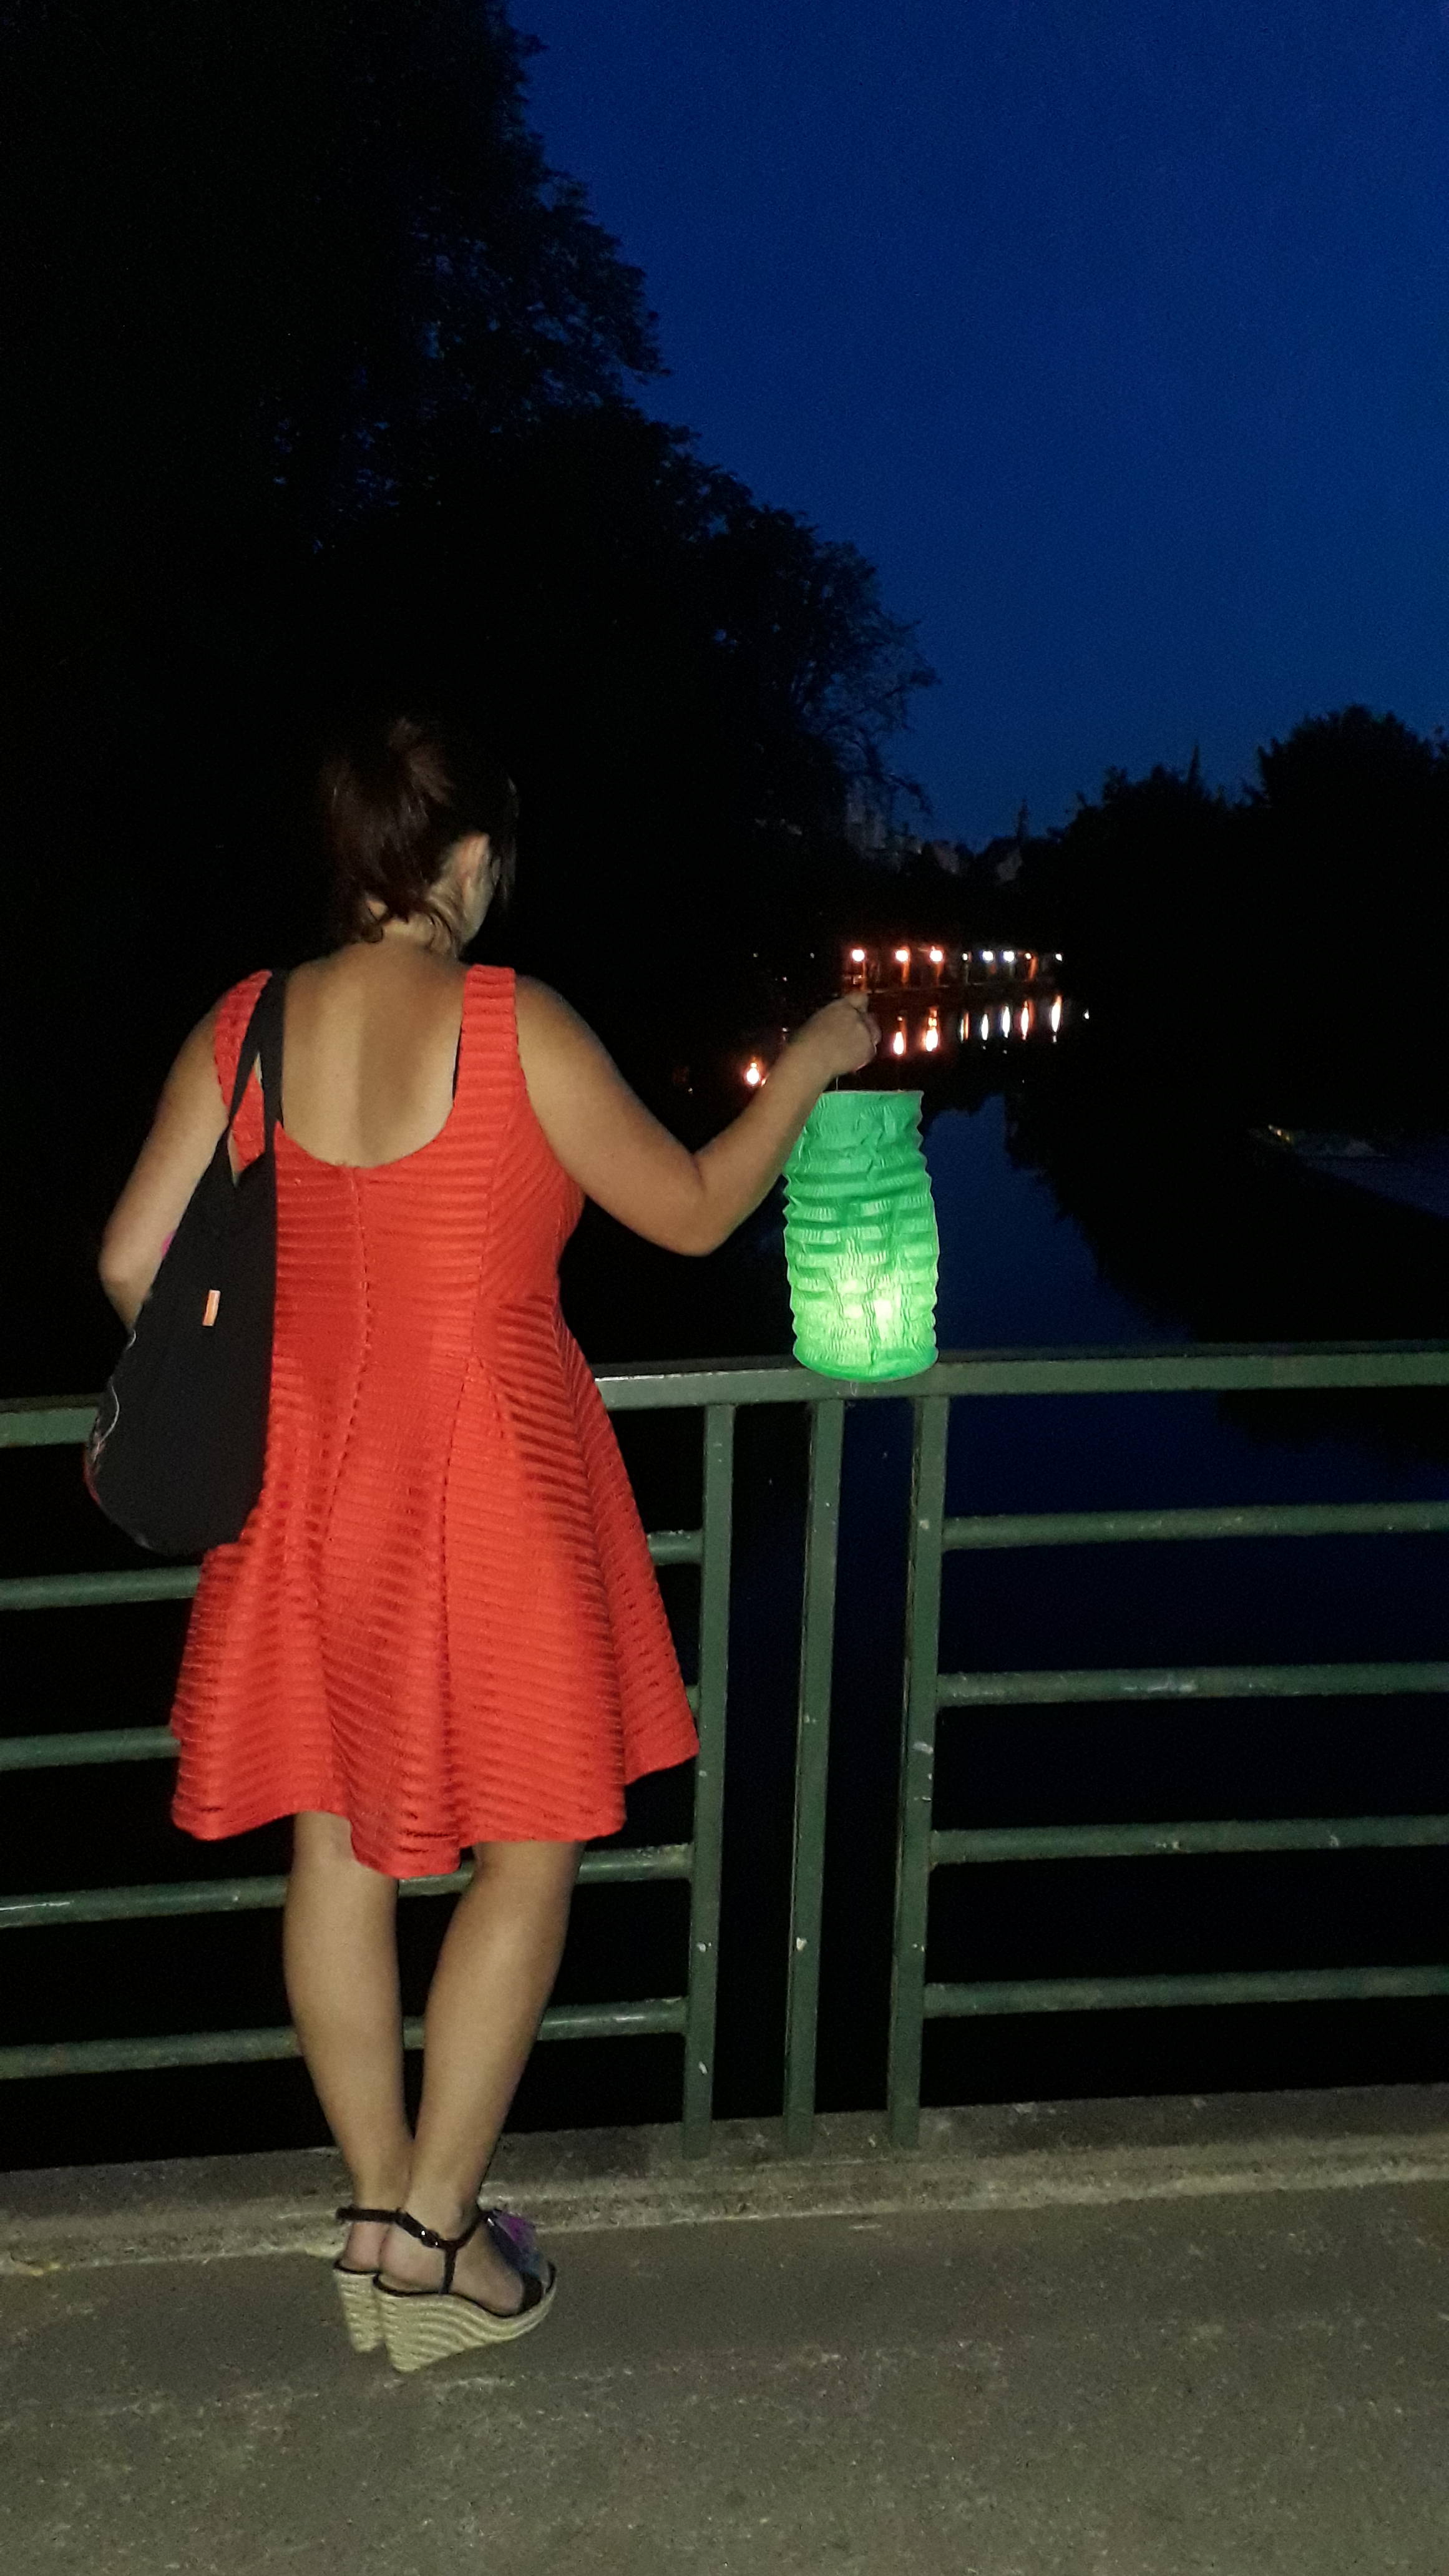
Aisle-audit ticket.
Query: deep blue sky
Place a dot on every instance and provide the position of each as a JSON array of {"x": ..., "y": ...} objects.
[{"x": 1116, "y": 332}]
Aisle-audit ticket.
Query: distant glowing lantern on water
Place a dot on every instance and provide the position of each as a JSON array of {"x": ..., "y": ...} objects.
[
  {"x": 1056, "y": 1014},
  {"x": 1005, "y": 1021},
  {"x": 898, "y": 1042},
  {"x": 1026, "y": 1019},
  {"x": 937, "y": 957},
  {"x": 988, "y": 956},
  {"x": 857, "y": 956},
  {"x": 860, "y": 1238},
  {"x": 754, "y": 1073},
  {"x": 931, "y": 1034}
]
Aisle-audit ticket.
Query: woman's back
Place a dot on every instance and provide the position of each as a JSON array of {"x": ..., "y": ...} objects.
[{"x": 371, "y": 1052}]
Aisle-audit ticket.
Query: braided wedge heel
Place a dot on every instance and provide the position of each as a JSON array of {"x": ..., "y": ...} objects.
[
  {"x": 422, "y": 2326},
  {"x": 358, "y": 2290}
]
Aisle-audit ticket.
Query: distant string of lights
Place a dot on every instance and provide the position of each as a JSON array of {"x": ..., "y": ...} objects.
[{"x": 946, "y": 965}]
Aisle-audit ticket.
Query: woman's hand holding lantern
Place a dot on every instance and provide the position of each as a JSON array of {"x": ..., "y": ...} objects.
[{"x": 844, "y": 1036}]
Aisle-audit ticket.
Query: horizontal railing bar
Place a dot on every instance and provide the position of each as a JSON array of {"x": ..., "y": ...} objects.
[
  {"x": 249, "y": 1895},
  {"x": 1116, "y": 1994},
  {"x": 641, "y": 1861},
  {"x": 1132, "y": 1842},
  {"x": 250, "y": 2047},
  {"x": 993, "y": 1530},
  {"x": 93, "y": 1591},
  {"x": 1230, "y": 1520},
  {"x": 1182, "y": 1369},
  {"x": 1200, "y": 1681},
  {"x": 1201, "y": 1368},
  {"x": 145, "y": 1904},
  {"x": 178, "y": 1582},
  {"x": 676, "y": 1547},
  {"x": 111, "y": 1744},
  {"x": 106, "y": 1744},
  {"x": 601, "y": 2021},
  {"x": 45, "y": 1421}
]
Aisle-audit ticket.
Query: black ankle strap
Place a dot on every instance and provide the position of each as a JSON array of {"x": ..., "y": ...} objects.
[
  {"x": 359, "y": 2217},
  {"x": 450, "y": 2247}
]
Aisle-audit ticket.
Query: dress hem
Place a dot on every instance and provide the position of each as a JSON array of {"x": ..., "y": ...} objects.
[{"x": 596, "y": 1829}]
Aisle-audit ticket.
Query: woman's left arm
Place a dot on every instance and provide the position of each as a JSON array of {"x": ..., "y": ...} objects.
[{"x": 190, "y": 1116}]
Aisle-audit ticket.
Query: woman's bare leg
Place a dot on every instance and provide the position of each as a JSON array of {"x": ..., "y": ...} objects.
[
  {"x": 494, "y": 1975},
  {"x": 339, "y": 1953}
]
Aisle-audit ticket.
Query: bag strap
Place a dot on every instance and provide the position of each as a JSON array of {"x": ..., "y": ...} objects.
[{"x": 262, "y": 1040}]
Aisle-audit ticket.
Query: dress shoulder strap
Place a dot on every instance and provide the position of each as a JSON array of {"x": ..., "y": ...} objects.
[
  {"x": 233, "y": 1013},
  {"x": 488, "y": 1051}
]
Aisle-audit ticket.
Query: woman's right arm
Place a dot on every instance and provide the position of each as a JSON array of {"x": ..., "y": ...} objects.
[{"x": 619, "y": 1155}]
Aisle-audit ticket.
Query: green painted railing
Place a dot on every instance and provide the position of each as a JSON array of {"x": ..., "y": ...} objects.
[{"x": 718, "y": 1392}]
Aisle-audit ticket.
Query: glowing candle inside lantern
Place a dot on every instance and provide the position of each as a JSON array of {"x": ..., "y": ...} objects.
[
  {"x": 898, "y": 1042},
  {"x": 931, "y": 1034},
  {"x": 860, "y": 1238}
]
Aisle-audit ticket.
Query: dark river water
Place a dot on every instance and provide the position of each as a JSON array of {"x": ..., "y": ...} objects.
[{"x": 1069, "y": 1214}]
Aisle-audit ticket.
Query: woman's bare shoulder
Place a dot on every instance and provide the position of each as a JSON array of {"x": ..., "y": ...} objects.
[
  {"x": 548, "y": 1027},
  {"x": 541, "y": 1004}
]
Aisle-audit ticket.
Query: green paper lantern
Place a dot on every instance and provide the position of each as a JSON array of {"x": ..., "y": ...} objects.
[{"x": 860, "y": 1237}]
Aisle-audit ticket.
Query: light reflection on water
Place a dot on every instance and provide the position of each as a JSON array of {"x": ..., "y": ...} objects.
[{"x": 913, "y": 1026}]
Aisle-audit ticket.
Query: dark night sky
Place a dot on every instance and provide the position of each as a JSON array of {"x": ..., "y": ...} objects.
[{"x": 1116, "y": 332}]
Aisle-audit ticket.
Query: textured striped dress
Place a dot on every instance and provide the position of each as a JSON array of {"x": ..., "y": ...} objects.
[{"x": 440, "y": 1620}]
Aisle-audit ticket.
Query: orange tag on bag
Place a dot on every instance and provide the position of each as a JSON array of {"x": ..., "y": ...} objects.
[{"x": 213, "y": 1301}]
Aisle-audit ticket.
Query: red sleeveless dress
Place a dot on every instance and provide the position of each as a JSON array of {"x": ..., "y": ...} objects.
[{"x": 441, "y": 1620}]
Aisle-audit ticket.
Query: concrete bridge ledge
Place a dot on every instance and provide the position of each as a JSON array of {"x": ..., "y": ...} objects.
[{"x": 1010, "y": 2156}]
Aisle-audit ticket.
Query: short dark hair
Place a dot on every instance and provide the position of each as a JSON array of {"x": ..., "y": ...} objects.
[{"x": 396, "y": 795}]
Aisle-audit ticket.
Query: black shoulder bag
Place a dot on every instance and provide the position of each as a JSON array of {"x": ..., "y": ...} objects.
[{"x": 176, "y": 1452}]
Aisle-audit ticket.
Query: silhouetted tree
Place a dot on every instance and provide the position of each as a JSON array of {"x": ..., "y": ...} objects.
[
  {"x": 1273, "y": 955},
  {"x": 318, "y": 383}
]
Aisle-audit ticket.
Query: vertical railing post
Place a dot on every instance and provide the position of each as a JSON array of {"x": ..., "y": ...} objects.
[
  {"x": 812, "y": 1755},
  {"x": 919, "y": 1704},
  {"x": 714, "y": 1633}
]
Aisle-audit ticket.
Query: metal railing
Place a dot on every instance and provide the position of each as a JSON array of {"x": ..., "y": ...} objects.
[{"x": 719, "y": 1392}]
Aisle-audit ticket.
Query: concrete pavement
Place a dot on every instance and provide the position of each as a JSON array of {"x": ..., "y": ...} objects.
[{"x": 1245, "y": 2370}]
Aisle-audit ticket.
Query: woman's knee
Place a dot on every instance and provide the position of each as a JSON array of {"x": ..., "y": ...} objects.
[
  {"x": 543, "y": 1873},
  {"x": 325, "y": 1842}
]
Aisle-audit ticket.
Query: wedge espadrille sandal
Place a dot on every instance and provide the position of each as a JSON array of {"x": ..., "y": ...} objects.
[
  {"x": 358, "y": 2290},
  {"x": 420, "y": 2326}
]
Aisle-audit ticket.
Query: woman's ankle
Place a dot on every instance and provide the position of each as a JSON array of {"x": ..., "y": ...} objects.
[
  {"x": 408, "y": 2263},
  {"x": 383, "y": 2186},
  {"x": 445, "y": 2209}
]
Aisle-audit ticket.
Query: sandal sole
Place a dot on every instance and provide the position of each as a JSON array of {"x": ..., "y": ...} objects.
[
  {"x": 421, "y": 2327},
  {"x": 358, "y": 2294}
]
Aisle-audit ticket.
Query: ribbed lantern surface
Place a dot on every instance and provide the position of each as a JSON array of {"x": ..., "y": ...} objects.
[{"x": 860, "y": 1237}]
